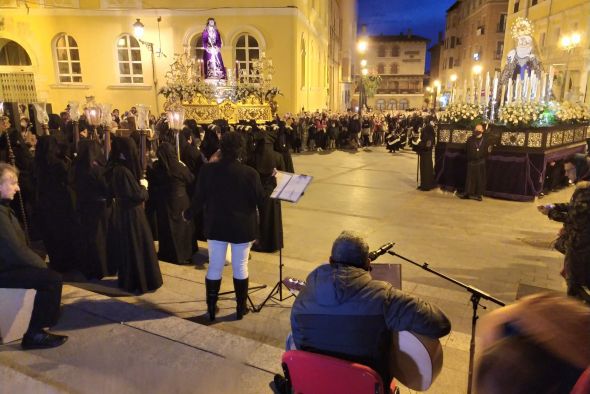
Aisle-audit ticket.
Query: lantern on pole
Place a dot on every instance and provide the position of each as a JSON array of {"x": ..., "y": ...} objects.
[{"x": 175, "y": 117}]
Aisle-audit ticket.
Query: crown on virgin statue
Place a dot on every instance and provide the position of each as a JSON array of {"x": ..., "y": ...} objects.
[{"x": 521, "y": 27}]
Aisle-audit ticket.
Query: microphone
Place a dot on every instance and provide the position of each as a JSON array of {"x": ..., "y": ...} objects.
[{"x": 381, "y": 251}]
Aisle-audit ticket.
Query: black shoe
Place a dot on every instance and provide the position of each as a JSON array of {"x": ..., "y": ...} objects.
[
  {"x": 463, "y": 196},
  {"x": 42, "y": 340},
  {"x": 478, "y": 198},
  {"x": 212, "y": 291},
  {"x": 241, "y": 288},
  {"x": 281, "y": 384}
]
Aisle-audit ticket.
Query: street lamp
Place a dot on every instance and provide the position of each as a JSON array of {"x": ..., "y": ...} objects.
[
  {"x": 362, "y": 46},
  {"x": 138, "y": 32},
  {"x": 569, "y": 43},
  {"x": 436, "y": 89}
]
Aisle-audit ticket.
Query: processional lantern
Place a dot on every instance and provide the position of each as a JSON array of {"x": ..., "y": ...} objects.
[
  {"x": 93, "y": 112},
  {"x": 74, "y": 111},
  {"x": 41, "y": 114},
  {"x": 142, "y": 124},
  {"x": 175, "y": 117}
]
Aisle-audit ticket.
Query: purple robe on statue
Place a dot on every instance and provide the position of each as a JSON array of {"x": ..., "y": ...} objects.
[{"x": 212, "y": 60}]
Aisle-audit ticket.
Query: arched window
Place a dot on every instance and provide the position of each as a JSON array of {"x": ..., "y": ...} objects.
[
  {"x": 247, "y": 51},
  {"x": 381, "y": 51},
  {"x": 196, "y": 46},
  {"x": 380, "y": 105},
  {"x": 129, "y": 57},
  {"x": 12, "y": 54},
  {"x": 403, "y": 104},
  {"x": 381, "y": 68},
  {"x": 395, "y": 51},
  {"x": 392, "y": 104},
  {"x": 394, "y": 68},
  {"x": 68, "y": 59}
]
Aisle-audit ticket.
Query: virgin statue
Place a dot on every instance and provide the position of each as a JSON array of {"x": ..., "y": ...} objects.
[{"x": 214, "y": 68}]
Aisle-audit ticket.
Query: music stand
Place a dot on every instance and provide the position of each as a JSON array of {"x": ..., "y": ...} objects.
[{"x": 290, "y": 187}]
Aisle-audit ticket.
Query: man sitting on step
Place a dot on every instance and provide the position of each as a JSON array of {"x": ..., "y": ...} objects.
[{"x": 22, "y": 268}]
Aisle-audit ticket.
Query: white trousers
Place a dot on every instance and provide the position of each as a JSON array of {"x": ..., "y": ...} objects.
[{"x": 217, "y": 255}]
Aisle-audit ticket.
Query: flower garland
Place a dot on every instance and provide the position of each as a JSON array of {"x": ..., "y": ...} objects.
[
  {"x": 567, "y": 112},
  {"x": 518, "y": 114},
  {"x": 462, "y": 113}
]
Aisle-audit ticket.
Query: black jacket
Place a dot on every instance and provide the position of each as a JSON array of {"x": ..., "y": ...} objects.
[
  {"x": 343, "y": 312},
  {"x": 229, "y": 193},
  {"x": 14, "y": 251}
]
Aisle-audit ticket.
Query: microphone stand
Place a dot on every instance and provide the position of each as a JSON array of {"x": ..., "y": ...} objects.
[{"x": 476, "y": 296}]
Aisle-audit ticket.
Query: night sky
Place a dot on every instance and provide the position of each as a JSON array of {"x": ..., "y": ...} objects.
[{"x": 425, "y": 17}]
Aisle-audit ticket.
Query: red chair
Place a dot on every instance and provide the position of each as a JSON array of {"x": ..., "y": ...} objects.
[
  {"x": 583, "y": 384},
  {"x": 310, "y": 373}
]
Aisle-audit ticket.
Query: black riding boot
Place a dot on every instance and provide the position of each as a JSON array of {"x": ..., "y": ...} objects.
[
  {"x": 241, "y": 288},
  {"x": 212, "y": 290}
]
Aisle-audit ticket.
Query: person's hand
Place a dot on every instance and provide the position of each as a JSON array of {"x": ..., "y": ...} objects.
[
  {"x": 143, "y": 182},
  {"x": 215, "y": 157},
  {"x": 544, "y": 209},
  {"x": 274, "y": 172}
]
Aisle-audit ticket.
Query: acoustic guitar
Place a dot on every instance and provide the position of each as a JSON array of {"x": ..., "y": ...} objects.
[{"x": 417, "y": 360}]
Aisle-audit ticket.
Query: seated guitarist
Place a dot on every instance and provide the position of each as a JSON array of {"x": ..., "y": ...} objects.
[{"x": 344, "y": 313}]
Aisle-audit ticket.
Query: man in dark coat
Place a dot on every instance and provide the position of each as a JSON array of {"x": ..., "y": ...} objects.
[
  {"x": 21, "y": 268},
  {"x": 344, "y": 313},
  {"x": 423, "y": 147},
  {"x": 574, "y": 239},
  {"x": 478, "y": 149}
]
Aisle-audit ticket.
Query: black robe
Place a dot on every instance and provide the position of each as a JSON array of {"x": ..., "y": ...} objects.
[
  {"x": 478, "y": 150},
  {"x": 170, "y": 180},
  {"x": 424, "y": 150},
  {"x": 55, "y": 208},
  {"x": 94, "y": 209},
  {"x": 270, "y": 237},
  {"x": 131, "y": 246}
]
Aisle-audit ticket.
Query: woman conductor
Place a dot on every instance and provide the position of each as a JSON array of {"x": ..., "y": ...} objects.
[{"x": 229, "y": 193}]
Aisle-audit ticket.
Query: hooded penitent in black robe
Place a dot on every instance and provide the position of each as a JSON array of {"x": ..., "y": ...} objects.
[
  {"x": 94, "y": 208},
  {"x": 266, "y": 159},
  {"x": 424, "y": 150},
  {"x": 478, "y": 149},
  {"x": 55, "y": 209},
  {"x": 131, "y": 246},
  {"x": 170, "y": 180},
  {"x": 283, "y": 146}
]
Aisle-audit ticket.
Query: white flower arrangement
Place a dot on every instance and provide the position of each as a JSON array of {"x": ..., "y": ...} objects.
[
  {"x": 567, "y": 112},
  {"x": 521, "y": 113},
  {"x": 462, "y": 113}
]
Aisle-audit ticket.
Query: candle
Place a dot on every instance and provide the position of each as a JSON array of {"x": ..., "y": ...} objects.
[
  {"x": 543, "y": 86},
  {"x": 550, "y": 83},
  {"x": 509, "y": 92},
  {"x": 465, "y": 90},
  {"x": 472, "y": 92},
  {"x": 517, "y": 89},
  {"x": 487, "y": 92},
  {"x": 525, "y": 87},
  {"x": 479, "y": 88},
  {"x": 495, "y": 88}
]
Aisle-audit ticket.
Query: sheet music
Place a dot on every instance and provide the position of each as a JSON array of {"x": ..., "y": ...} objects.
[{"x": 290, "y": 187}]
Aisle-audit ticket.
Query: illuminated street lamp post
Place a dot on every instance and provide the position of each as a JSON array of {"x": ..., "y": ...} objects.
[
  {"x": 436, "y": 91},
  {"x": 138, "y": 31},
  {"x": 569, "y": 43},
  {"x": 361, "y": 47}
]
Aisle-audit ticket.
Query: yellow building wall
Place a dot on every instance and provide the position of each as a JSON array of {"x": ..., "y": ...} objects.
[{"x": 279, "y": 30}]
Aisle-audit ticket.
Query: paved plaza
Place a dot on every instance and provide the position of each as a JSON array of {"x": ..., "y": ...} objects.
[{"x": 501, "y": 247}]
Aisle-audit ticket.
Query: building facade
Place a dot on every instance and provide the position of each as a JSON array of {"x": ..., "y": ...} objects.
[
  {"x": 400, "y": 62},
  {"x": 474, "y": 36},
  {"x": 554, "y": 20},
  {"x": 61, "y": 50}
]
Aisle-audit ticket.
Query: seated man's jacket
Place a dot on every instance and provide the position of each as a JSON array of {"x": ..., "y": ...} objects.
[
  {"x": 14, "y": 251},
  {"x": 344, "y": 313}
]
